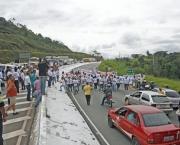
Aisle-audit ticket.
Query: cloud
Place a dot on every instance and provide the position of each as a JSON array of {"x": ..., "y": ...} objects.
[
  {"x": 169, "y": 48},
  {"x": 119, "y": 21},
  {"x": 131, "y": 39},
  {"x": 176, "y": 36},
  {"x": 85, "y": 26},
  {"x": 113, "y": 44}
]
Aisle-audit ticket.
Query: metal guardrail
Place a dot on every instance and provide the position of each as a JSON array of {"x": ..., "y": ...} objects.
[{"x": 42, "y": 122}]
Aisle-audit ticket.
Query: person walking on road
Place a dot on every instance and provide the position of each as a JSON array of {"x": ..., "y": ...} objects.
[
  {"x": 87, "y": 90},
  {"x": 11, "y": 93},
  {"x": 126, "y": 83},
  {"x": 2, "y": 119},
  {"x": 37, "y": 94},
  {"x": 63, "y": 84},
  {"x": 28, "y": 85}
]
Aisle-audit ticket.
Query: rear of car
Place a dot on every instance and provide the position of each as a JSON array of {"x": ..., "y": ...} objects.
[
  {"x": 173, "y": 96},
  {"x": 162, "y": 102},
  {"x": 160, "y": 129}
]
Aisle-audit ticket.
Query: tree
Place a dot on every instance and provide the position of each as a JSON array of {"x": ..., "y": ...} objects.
[{"x": 147, "y": 52}]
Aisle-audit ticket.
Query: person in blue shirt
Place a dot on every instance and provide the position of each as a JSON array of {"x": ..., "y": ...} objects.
[{"x": 32, "y": 79}]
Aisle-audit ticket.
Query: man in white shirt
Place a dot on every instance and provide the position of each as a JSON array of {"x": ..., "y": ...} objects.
[
  {"x": 22, "y": 80},
  {"x": 16, "y": 77},
  {"x": 27, "y": 83},
  {"x": 50, "y": 77},
  {"x": 63, "y": 84}
]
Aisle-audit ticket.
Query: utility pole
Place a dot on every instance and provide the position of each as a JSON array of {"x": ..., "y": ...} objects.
[{"x": 153, "y": 58}]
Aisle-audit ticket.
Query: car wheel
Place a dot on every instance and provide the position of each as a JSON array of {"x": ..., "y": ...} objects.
[
  {"x": 127, "y": 102},
  {"x": 110, "y": 123},
  {"x": 135, "y": 141}
]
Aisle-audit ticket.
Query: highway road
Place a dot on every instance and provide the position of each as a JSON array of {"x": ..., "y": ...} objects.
[{"x": 98, "y": 113}]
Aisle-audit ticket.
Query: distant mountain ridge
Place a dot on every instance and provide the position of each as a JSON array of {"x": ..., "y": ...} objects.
[{"x": 17, "y": 38}]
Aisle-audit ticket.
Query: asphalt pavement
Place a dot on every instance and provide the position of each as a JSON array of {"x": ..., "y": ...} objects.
[{"x": 98, "y": 113}]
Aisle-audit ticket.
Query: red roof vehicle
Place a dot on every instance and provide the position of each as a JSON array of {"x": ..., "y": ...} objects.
[{"x": 144, "y": 125}]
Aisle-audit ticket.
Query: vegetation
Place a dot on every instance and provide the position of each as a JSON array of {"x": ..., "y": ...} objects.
[
  {"x": 160, "y": 67},
  {"x": 16, "y": 38}
]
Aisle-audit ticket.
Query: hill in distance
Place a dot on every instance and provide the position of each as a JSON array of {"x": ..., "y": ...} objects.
[{"x": 17, "y": 38}]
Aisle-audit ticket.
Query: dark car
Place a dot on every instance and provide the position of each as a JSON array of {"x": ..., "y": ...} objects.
[{"x": 172, "y": 95}]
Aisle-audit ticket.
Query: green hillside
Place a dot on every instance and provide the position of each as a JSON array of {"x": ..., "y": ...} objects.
[
  {"x": 160, "y": 67},
  {"x": 17, "y": 38}
]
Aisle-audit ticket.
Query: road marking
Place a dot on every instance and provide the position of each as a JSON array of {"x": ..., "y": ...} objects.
[
  {"x": 17, "y": 98},
  {"x": 20, "y": 110},
  {"x": 17, "y": 95},
  {"x": 13, "y": 134},
  {"x": 91, "y": 122},
  {"x": 21, "y": 103},
  {"x": 24, "y": 124},
  {"x": 16, "y": 120}
]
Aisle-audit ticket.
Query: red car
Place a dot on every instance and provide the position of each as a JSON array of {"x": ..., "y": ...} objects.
[{"x": 144, "y": 125}]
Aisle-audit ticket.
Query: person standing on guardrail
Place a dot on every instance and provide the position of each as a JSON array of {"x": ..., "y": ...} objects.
[
  {"x": 87, "y": 90},
  {"x": 11, "y": 93},
  {"x": 43, "y": 68}
]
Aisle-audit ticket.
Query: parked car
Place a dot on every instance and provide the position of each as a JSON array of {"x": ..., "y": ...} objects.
[
  {"x": 150, "y": 98},
  {"x": 172, "y": 95},
  {"x": 144, "y": 125}
]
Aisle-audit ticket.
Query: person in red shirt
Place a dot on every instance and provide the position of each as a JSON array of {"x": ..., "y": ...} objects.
[{"x": 11, "y": 93}]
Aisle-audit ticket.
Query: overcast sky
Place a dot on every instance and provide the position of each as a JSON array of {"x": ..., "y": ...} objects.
[{"x": 107, "y": 26}]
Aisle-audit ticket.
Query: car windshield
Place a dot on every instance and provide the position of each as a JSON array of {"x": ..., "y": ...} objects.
[
  {"x": 160, "y": 99},
  {"x": 172, "y": 94},
  {"x": 155, "y": 119}
]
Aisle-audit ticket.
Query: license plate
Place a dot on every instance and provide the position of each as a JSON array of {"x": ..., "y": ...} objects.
[
  {"x": 167, "y": 138},
  {"x": 163, "y": 106}
]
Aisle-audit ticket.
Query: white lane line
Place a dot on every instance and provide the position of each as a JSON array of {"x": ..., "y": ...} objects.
[
  {"x": 20, "y": 110},
  {"x": 17, "y": 98},
  {"x": 98, "y": 132},
  {"x": 21, "y": 103},
  {"x": 13, "y": 134},
  {"x": 16, "y": 120},
  {"x": 24, "y": 124},
  {"x": 19, "y": 94}
]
